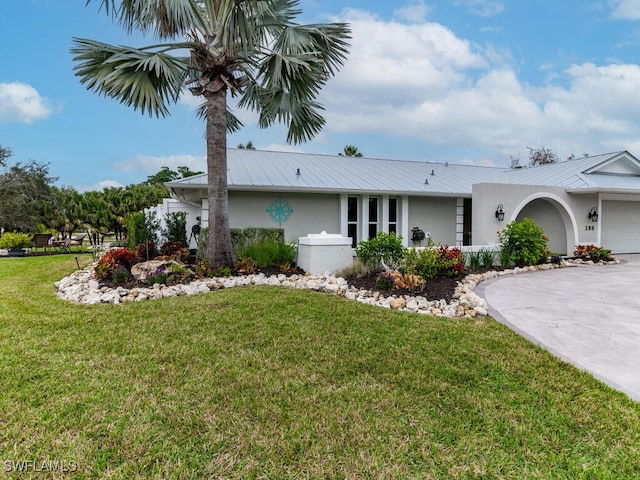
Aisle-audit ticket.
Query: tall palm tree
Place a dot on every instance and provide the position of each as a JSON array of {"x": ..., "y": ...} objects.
[
  {"x": 350, "y": 151},
  {"x": 250, "y": 48}
]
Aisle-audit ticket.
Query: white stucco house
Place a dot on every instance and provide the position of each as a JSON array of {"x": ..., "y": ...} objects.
[{"x": 594, "y": 199}]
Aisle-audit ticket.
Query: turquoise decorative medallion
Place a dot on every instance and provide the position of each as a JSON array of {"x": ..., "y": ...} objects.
[{"x": 279, "y": 210}]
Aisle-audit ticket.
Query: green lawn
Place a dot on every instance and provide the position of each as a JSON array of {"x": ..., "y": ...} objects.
[{"x": 276, "y": 383}]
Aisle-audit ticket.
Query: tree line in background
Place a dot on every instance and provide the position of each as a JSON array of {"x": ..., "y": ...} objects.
[{"x": 29, "y": 202}]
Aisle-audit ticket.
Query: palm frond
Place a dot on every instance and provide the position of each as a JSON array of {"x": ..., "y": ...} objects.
[
  {"x": 289, "y": 77},
  {"x": 163, "y": 18},
  {"x": 146, "y": 79}
]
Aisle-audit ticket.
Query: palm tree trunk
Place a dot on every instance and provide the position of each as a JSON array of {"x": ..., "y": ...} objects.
[{"x": 219, "y": 250}]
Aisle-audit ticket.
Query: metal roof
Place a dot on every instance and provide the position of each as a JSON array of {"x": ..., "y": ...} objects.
[{"x": 286, "y": 171}]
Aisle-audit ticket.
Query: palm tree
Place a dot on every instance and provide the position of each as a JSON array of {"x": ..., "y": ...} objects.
[
  {"x": 250, "y": 48},
  {"x": 350, "y": 151},
  {"x": 248, "y": 146}
]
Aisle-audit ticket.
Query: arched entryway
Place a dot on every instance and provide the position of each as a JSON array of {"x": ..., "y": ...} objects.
[{"x": 556, "y": 219}]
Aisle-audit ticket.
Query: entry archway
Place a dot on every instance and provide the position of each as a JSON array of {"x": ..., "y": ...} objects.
[{"x": 554, "y": 216}]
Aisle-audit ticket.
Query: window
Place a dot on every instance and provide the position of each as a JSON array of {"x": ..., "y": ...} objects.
[
  {"x": 352, "y": 220},
  {"x": 393, "y": 215},
  {"x": 373, "y": 216}
]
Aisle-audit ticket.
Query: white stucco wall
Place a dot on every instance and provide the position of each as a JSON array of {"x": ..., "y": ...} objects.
[
  {"x": 436, "y": 216},
  {"x": 562, "y": 208},
  {"x": 312, "y": 213},
  {"x": 170, "y": 205}
]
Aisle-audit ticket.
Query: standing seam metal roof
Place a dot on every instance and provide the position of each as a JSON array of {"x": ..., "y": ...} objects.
[{"x": 267, "y": 170}]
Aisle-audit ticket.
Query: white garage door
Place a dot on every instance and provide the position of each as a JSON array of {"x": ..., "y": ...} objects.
[{"x": 621, "y": 226}]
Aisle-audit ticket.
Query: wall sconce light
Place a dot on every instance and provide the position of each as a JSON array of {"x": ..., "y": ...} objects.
[
  {"x": 500, "y": 213},
  {"x": 593, "y": 214}
]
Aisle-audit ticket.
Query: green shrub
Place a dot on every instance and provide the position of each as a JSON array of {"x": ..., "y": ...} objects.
[
  {"x": 383, "y": 248},
  {"x": 241, "y": 237},
  {"x": 176, "y": 227},
  {"x": 136, "y": 230},
  {"x": 420, "y": 262},
  {"x": 268, "y": 251},
  {"x": 142, "y": 227},
  {"x": 222, "y": 272},
  {"x": 16, "y": 240},
  {"x": 177, "y": 273},
  {"x": 524, "y": 242}
]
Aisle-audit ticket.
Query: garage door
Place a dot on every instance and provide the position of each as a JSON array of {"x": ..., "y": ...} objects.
[{"x": 621, "y": 226}]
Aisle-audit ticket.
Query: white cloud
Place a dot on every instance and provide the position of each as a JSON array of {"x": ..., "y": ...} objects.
[
  {"x": 413, "y": 12},
  {"x": 149, "y": 165},
  {"x": 423, "y": 82},
  {"x": 277, "y": 147},
  {"x": 483, "y": 8},
  {"x": 392, "y": 64},
  {"x": 626, "y": 9},
  {"x": 189, "y": 100},
  {"x": 21, "y": 103},
  {"x": 98, "y": 187}
]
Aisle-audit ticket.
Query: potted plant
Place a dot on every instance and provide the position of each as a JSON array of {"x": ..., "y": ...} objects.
[{"x": 15, "y": 242}]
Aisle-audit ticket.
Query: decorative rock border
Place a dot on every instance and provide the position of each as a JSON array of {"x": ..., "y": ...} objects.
[{"x": 82, "y": 287}]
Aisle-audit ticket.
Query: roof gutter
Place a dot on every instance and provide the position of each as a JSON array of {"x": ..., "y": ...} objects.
[
  {"x": 337, "y": 191},
  {"x": 585, "y": 191}
]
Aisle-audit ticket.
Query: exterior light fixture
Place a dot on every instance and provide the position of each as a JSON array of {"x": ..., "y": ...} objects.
[
  {"x": 500, "y": 213},
  {"x": 417, "y": 235},
  {"x": 593, "y": 214}
]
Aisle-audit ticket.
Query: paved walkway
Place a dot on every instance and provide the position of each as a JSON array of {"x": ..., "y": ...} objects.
[{"x": 586, "y": 315}]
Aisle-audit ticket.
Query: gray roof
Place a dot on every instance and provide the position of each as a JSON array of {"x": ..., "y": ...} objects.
[{"x": 285, "y": 171}]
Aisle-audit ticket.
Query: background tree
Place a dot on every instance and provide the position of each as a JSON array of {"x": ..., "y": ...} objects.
[
  {"x": 537, "y": 156},
  {"x": 167, "y": 175},
  {"x": 24, "y": 191},
  {"x": 5, "y": 153},
  {"x": 247, "y": 146},
  {"x": 350, "y": 151},
  {"x": 541, "y": 156},
  {"x": 250, "y": 48}
]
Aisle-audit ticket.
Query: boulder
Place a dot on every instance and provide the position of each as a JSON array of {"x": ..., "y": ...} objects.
[{"x": 141, "y": 271}]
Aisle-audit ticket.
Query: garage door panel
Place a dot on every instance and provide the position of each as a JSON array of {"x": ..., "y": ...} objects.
[{"x": 621, "y": 226}]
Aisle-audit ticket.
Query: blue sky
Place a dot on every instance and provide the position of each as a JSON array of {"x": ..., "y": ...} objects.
[{"x": 465, "y": 81}]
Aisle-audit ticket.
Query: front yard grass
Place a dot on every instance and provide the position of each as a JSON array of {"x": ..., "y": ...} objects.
[{"x": 264, "y": 382}]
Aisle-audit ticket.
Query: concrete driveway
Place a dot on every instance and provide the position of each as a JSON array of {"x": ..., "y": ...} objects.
[{"x": 586, "y": 315}]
